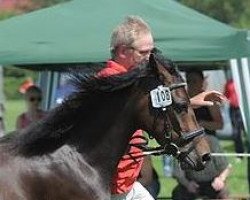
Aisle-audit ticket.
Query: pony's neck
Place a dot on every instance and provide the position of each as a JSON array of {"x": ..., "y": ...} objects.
[
  {"x": 99, "y": 131},
  {"x": 105, "y": 139}
]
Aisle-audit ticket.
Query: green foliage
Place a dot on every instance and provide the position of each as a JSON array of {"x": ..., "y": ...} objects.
[
  {"x": 233, "y": 12},
  {"x": 47, "y": 3},
  {"x": 13, "y": 72},
  {"x": 5, "y": 15},
  {"x": 38, "y": 4},
  {"x": 11, "y": 85},
  {"x": 18, "y": 72},
  {"x": 28, "y": 7}
]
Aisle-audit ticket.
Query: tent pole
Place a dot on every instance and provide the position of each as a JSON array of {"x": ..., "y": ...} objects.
[
  {"x": 241, "y": 73},
  {"x": 2, "y": 102}
]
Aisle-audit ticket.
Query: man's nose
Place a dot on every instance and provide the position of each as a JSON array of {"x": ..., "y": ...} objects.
[{"x": 147, "y": 57}]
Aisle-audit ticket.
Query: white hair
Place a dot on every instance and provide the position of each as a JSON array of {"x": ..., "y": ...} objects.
[{"x": 128, "y": 31}]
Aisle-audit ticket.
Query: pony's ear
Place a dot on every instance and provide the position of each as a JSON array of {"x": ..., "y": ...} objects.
[
  {"x": 158, "y": 67},
  {"x": 152, "y": 62}
]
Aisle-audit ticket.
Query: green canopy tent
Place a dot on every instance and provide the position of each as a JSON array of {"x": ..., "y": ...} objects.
[{"x": 79, "y": 32}]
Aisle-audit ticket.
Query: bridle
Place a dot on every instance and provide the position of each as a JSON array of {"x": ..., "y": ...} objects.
[{"x": 161, "y": 98}]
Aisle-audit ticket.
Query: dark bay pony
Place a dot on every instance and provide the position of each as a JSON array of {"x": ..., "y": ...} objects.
[{"x": 73, "y": 152}]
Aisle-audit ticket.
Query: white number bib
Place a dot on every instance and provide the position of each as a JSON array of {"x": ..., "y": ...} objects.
[{"x": 161, "y": 97}]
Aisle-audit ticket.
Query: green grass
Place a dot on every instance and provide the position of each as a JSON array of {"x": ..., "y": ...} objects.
[
  {"x": 12, "y": 109},
  {"x": 237, "y": 181}
]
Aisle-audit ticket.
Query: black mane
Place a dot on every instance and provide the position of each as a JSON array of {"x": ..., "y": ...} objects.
[
  {"x": 86, "y": 80},
  {"x": 53, "y": 131}
]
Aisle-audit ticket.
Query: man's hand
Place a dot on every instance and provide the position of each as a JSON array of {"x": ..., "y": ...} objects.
[
  {"x": 219, "y": 181},
  {"x": 207, "y": 98},
  {"x": 218, "y": 184}
]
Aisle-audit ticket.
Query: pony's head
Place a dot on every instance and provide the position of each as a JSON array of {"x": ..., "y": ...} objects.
[{"x": 166, "y": 114}]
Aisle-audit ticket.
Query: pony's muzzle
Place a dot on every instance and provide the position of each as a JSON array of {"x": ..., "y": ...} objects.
[
  {"x": 186, "y": 162},
  {"x": 206, "y": 157}
]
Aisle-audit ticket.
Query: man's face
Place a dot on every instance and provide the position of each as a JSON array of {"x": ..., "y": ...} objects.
[{"x": 140, "y": 50}]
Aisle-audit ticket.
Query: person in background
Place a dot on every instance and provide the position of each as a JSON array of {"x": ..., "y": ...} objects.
[
  {"x": 33, "y": 98},
  {"x": 131, "y": 44},
  {"x": 235, "y": 115},
  {"x": 209, "y": 182},
  {"x": 209, "y": 118},
  {"x": 148, "y": 177}
]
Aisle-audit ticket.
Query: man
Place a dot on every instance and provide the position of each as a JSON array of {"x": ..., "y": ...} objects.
[
  {"x": 209, "y": 182},
  {"x": 131, "y": 44}
]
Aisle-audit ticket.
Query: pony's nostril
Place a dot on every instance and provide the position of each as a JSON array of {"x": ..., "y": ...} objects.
[{"x": 206, "y": 157}]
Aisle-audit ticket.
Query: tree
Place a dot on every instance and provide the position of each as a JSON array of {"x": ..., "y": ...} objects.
[
  {"x": 24, "y": 6},
  {"x": 233, "y": 12},
  {"x": 47, "y": 3}
]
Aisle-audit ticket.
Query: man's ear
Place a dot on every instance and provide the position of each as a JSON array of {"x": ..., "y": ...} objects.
[{"x": 122, "y": 51}]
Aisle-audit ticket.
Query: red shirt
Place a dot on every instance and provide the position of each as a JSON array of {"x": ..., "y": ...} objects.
[
  {"x": 230, "y": 93},
  {"x": 128, "y": 169},
  {"x": 112, "y": 68}
]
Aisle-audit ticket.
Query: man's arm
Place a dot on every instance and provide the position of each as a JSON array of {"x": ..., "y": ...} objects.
[
  {"x": 216, "y": 121},
  {"x": 207, "y": 98},
  {"x": 219, "y": 181}
]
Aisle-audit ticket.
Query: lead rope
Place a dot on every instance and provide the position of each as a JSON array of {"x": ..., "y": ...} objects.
[
  {"x": 146, "y": 150},
  {"x": 140, "y": 145},
  {"x": 154, "y": 150}
]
